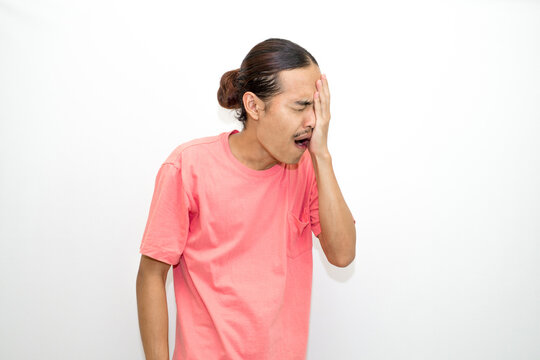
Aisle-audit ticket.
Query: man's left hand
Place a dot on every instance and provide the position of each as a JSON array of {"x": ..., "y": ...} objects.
[{"x": 321, "y": 99}]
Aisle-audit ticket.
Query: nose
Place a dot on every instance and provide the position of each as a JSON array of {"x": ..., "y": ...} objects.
[{"x": 310, "y": 119}]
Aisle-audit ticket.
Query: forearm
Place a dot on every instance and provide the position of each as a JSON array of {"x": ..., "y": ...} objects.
[
  {"x": 337, "y": 223},
  {"x": 153, "y": 316}
]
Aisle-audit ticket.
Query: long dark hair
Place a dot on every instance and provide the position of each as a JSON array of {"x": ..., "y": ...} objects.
[{"x": 259, "y": 73}]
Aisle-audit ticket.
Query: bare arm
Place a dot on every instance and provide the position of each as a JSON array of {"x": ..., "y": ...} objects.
[
  {"x": 338, "y": 232},
  {"x": 152, "y": 308}
]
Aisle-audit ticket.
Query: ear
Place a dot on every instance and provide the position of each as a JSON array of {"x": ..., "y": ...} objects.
[{"x": 253, "y": 105}]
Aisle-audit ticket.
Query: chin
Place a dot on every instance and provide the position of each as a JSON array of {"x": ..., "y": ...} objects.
[
  {"x": 290, "y": 158},
  {"x": 295, "y": 160}
]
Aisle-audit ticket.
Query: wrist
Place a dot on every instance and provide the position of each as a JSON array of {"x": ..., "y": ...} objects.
[{"x": 321, "y": 155}]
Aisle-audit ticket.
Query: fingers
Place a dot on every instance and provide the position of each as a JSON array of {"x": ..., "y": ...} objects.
[
  {"x": 325, "y": 88},
  {"x": 322, "y": 96}
]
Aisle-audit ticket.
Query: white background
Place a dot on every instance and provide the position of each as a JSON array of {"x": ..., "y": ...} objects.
[{"x": 434, "y": 137}]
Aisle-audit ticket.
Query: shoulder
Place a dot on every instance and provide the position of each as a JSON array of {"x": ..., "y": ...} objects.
[{"x": 193, "y": 149}]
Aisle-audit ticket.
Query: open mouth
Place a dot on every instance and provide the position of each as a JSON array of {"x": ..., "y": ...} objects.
[{"x": 302, "y": 143}]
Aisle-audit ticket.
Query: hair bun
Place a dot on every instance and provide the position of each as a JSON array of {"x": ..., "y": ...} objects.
[{"x": 228, "y": 92}]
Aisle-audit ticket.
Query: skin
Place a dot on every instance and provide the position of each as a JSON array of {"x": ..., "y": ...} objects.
[{"x": 152, "y": 308}]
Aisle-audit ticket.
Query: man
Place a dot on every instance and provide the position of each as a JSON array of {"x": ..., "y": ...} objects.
[{"x": 234, "y": 213}]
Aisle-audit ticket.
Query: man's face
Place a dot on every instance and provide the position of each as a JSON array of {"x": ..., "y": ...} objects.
[{"x": 290, "y": 115}]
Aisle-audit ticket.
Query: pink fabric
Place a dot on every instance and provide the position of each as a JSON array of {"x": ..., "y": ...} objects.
[{"x": 240, "y": 244}]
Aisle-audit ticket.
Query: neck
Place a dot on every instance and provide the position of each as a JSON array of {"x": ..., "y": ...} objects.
[{"x": 248, "y": 150}]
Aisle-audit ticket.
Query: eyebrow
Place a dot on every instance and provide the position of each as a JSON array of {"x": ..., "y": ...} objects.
[{"x": 303, "y": 102}]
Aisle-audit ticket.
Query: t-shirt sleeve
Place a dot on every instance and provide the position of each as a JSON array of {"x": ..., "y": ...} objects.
[
  {"x": 314, "y": 208},
  {"x": 167, "y": 227}
]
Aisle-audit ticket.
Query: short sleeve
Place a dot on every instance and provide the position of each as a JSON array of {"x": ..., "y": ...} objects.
[
  {"x": 314, "y": 208},
  {"x": 167, "y": 227}
]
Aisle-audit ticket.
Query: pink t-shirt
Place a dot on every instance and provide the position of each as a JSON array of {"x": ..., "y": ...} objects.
[{"x": 240, "y": 244}]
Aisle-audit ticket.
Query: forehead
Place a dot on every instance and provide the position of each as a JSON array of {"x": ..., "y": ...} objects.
[{"x": 298, "y": 84}]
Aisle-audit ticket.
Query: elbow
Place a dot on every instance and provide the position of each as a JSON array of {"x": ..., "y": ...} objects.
[
  {"x": 339, "y": 253},
  {"x": 344, "y": 262},
  {"x": 347, "y": 258}
]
